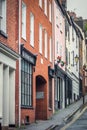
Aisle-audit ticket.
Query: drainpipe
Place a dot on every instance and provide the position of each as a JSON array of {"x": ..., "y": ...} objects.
[
  {"x": 53, "y": 46},
  {"x": 19, "y": 41}
]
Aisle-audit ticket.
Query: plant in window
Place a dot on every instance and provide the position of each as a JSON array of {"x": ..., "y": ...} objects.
[
  {"x": 62, "y": 63},
  {"x": 58, "y": 59}
]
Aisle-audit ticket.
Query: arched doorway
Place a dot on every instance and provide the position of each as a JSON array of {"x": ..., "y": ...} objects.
[{"x": 41, "y": 100}]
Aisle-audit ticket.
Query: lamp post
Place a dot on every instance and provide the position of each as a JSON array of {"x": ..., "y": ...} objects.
[
  {"x": 76, "y": 59},
  {"x": 78, "y": 69}
]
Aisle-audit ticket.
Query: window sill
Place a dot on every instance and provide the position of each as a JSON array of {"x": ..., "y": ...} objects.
[
  {"x": 24, "y": 39},
  {"x": 3, "y": 34},
  {"x": 26, "y": 107}
]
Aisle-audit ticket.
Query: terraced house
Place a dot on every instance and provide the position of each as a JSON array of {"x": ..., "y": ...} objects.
[
  {"x": 38, "y": 73},
  {"x": 9, "y": 83},
  {"x": 36, "y": 60}
]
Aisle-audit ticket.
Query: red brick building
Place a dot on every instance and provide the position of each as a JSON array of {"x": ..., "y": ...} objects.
[
  {"x": 27, "y": 93},
  {"x": 9, "y": 83},
  {"x": 36, "y": 65}
]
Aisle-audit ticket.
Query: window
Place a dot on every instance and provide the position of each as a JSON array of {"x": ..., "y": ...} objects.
[
  {"x": 57, "y": 47},
  {"x": 23, "y": 20},
  {"x": 45, "y": 7},
  {"x": 40, "y": 38},
  {"x": 3, "y": 15},
  {"x": 45, "y": 41},
  {"x": 51, "y": 49},
  {"x": 40, "y": 3},
  {"x": 60, "y": 50},
  {"x": 69, "y": 35},
  {"x": 72, "y": 58},
  {"x": 66, "y": 56},
  {"x": 50, "y": 12},
  {"x": 69, "y": 57},
  {"x": 26, "y": 84},
  {"x": 76, "y": 41},
  {"x": 31, "y": 29},
  {"x": 61, "y": 25},
  {"x": 57, "y": 21},
  {"x": 72, "y": 34}
]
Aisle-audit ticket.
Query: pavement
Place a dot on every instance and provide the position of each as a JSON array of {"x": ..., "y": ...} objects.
[{"x": 58, "y": 118}]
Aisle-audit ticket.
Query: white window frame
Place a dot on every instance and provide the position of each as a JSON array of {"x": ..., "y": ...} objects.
[
  {"x": 3, "y": 15},
  {"x": 51, "y": 54},
  {"x": 23, "y": 20},
  {"x": 40, "y": 3},
  {"x": 45, "y": 7},
  {"x": 57, "y": 46},
  {"x": 61, "y": 24},
  {"x": 31, "y": 29},
  {"x": 40, "y": 38},
  {"x": 50, "y": 12},
  {"x": 45, "y": 41}
]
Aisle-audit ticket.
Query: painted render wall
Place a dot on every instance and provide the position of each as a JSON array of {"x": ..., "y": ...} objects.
[{"x": 59, "y": 22}]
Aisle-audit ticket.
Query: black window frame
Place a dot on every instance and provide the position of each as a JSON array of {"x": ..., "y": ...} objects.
[{"x": 26, "y": 84}]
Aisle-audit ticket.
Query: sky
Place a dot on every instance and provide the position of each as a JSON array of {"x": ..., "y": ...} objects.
[{"x": 78, "y": 6}]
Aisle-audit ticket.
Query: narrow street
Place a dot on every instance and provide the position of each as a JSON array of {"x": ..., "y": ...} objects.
[{"x": 80, "y": 123}]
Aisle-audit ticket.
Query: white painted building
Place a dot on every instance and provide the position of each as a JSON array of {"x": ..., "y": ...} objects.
[
  {"x": 7, "y": 85},
  {"x": 72, "y": 51},
  {"x": 59, "y": 42}
]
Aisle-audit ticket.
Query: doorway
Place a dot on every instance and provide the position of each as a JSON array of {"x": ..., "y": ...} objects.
[{"x": 41, "y": 100}]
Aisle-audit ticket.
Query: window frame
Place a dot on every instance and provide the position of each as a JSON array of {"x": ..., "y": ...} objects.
[
  {"x": 31, "y": 29},
  {"x": 45, "y": 7},
  {"x": 51, "y": 53},
  {"x": 50, "y": 11},
  {"x": 23, "y": 20},
  {"x": 45, "y": 43},
  {"x": 40, "y": 38},
  {"x": 3, "y": 8},
  {"x": 40, "y": 3},
  {"x": 26, "y": 84}
]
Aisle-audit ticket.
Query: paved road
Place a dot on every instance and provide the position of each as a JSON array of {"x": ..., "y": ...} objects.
[{"x": 78, "y": 123}]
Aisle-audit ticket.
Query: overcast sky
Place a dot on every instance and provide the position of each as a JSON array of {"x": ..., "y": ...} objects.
[{"x": 78, "y": 6}]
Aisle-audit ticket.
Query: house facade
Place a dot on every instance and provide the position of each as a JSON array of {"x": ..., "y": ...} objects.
[
  {"x": 9, "y": 84},
  {"x": 59, "y": 54},
  {"x": 39, "y": 42},
  {"x": 37, "y": 72},
  {"x": 72, "y": 55}
]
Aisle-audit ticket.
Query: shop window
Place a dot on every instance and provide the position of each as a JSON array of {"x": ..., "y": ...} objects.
[{"x": 26, "y": 84}]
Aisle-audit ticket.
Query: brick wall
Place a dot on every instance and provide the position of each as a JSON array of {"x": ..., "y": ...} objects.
[{"x": 40, "y": 68}]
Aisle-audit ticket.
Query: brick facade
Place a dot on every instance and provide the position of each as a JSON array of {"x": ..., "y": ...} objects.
[{"x": 41, "y": 69}]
